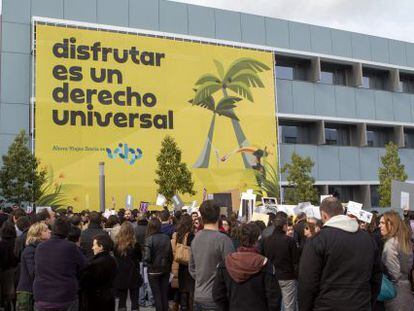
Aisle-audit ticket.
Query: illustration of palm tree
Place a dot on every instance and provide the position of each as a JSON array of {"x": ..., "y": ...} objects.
[
  {"x": 241, "y": 75},
  {"x": 223, "y": 108}
]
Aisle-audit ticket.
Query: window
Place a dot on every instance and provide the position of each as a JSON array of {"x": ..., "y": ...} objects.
[
  {"x": 334, "y": 73},
  {"x": 343, "y": 193},
  {"x": 409, "y": 138},
  {"x": 378, "y": 136},
  {"x": 374, "y": 79},
  {"x": 374, "y": 196},
  {"x": 290, "y": 68},
  {"x": 338, "y": 134},
  {"x": 407, "y": 82},
  {"x": 284, "y": 72},
  {"x": 295, "y": 132}
]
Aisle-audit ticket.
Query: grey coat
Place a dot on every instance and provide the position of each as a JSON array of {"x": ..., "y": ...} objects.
[{"x": 398, "y": 265}]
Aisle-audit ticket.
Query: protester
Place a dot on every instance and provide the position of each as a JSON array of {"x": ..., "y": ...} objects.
[
  {"x": 129, "y": 216},
  {"x": 128, "y": 256},
  {"x": 58, "y": 263},
  {"x": 36, "y": 234},
  {"x": 184, "y": 235},
  {"x": 309, "y": 230},
  {"x": 397, "y": 258},
  {"x": 15, "y": 216},
  {"x": 224, "y": 226},
  {"x": 198, "y": 225},
  {"x": 158, "y": 257},
  {"x": 208, "y": 248},
  {"x": 74, "y": 236},
  {"x": 340, "y": 267},
  {"x": 141, "y": 229},
  {"x": 246, "y": 280},
  {"x": 97, "y": 277},
  {"x": 8, "y": 264},
  {"x": 166, "y": 226},
  {"x": 300, "y": 229},
  {"x": 283, "y": 253},
  {"x": 94, "y": 229},
  {"x": 113, "y": 226}
]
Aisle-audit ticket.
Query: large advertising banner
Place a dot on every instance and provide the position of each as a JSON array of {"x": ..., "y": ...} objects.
[{"x": 103, "y": 96}]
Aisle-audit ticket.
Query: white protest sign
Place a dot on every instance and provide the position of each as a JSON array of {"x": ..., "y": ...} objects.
[
  {"x": 41, "y": 208},
  {"x": 365, "y": 216},
  {"x": 354, "y": 208},
  {"x": 302, "y": 205},
  {"x": 316, "y": 212},
  {"x": 261, "y": 217},
  {"x": 247, "y": 205},
  {"x": 324, "y": 196},
  {"x": 160, "y": 200},
  {"x": 405, "y": 201},
  {"x": 309, "y": 211}
]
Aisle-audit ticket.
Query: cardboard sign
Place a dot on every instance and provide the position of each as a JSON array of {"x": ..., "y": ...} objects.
[
  {"x": 262, "y": 217},
  {"x": 365, "y": 216},
  {"x": 269, "y": 201},
  {"x": 353, "y": 208},
  {"x": 41, "y": 208}
]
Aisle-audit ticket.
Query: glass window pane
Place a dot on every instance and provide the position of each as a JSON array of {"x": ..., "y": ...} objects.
[
  {"x": 327, "y": 77},
  {"x": 283, "y": 72}
]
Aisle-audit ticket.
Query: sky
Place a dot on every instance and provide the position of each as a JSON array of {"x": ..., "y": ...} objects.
[{"x": 384, "y": 18}]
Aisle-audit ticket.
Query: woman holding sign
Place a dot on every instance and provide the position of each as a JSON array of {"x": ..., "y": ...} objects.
[{"x": 397, "y": 258}]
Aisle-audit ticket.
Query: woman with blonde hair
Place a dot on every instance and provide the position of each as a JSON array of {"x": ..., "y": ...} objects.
[
  {"x": 128, "y": 255},
  {"x": 397, "y": 258},
  {"x": 38, "y": 232}
]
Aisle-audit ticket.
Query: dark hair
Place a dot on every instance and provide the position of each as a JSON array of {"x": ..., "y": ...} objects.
[
  {"x": 210, "y": 212},
  {"x": 74, "y": 234},
  {"x": 95, "y": 218},
  {"x": 105, "y": 241},
  {"x": 18, "y": 212},
  {"x": 271, "y": 218},
  {"x": 23, "y": 223},
  {"x": 112, "y": 221},
  {"x": 42, "y": 216},
  {"x": 332, "y": 207},
  {"x": 75, "y": 220},
  {"x": 184, "y": 226},
  {"x": 281, "y": 219},
  {"x": 300, "y": 216},
  {"x": 8, "y": 231},
  {"x": 61, "y": 227},
  {"x": 319, "y": 223},
  {"x": 260, "y": 224},
  {"x": 165, "y": 215},
  {"x": 311, "y": 226},
  {"x": 154, "y": 226},
  {"x": 249, "y": 233}
]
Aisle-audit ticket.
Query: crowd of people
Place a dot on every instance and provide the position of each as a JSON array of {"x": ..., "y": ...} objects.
[{"x": 66, "y": 261}]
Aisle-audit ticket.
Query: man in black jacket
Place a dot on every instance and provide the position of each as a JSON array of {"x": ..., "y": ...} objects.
[
  {"x": 246, "y": 280},
  {"x": 340, "y": 268},
  {"x": 283, "y": 253}
]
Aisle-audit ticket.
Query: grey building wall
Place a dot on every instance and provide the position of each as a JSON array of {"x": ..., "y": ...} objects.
[{"x": 294, "y": 97}]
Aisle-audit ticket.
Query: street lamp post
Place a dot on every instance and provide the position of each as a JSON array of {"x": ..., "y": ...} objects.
[{"x": 102, "y": 187}]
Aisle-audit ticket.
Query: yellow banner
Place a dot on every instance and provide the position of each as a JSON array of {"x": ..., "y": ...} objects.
[{"x": 112, "y": 97}]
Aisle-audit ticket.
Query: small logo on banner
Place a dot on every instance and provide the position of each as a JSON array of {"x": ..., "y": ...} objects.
[{"x": 123, "y": 151}]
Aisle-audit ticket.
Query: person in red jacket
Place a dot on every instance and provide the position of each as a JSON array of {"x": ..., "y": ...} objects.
[{"x": 246, "y": 280}]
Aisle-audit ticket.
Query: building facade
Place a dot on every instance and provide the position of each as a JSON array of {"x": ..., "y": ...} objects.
[{"x": 341, "y": 96}]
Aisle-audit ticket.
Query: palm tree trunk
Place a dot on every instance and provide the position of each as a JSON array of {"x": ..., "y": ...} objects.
[
  {"x": 248, "y": 159},
  {"x": 204, "y": 157}
]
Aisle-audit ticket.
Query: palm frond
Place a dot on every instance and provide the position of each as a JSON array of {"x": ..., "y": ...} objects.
[
  {"x": 220, "y": 68},
  {"x": 241, "y": 88},
  {"x": 207, "y": 103},
  {"x": 228, "y": 113},
  {"x": 244, "y": 63},
  {"x": 208, "y": 77},
  {"x": 205, "y": 91},
  {"x": 249, "y": 77},
  {"x": 227, "y": 103}
]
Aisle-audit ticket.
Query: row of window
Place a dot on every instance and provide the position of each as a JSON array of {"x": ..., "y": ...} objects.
[
  {"x": 289, "y": 68},
  {"x": 350, "y": 193},
  {"x": 293, "y": 132}
]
